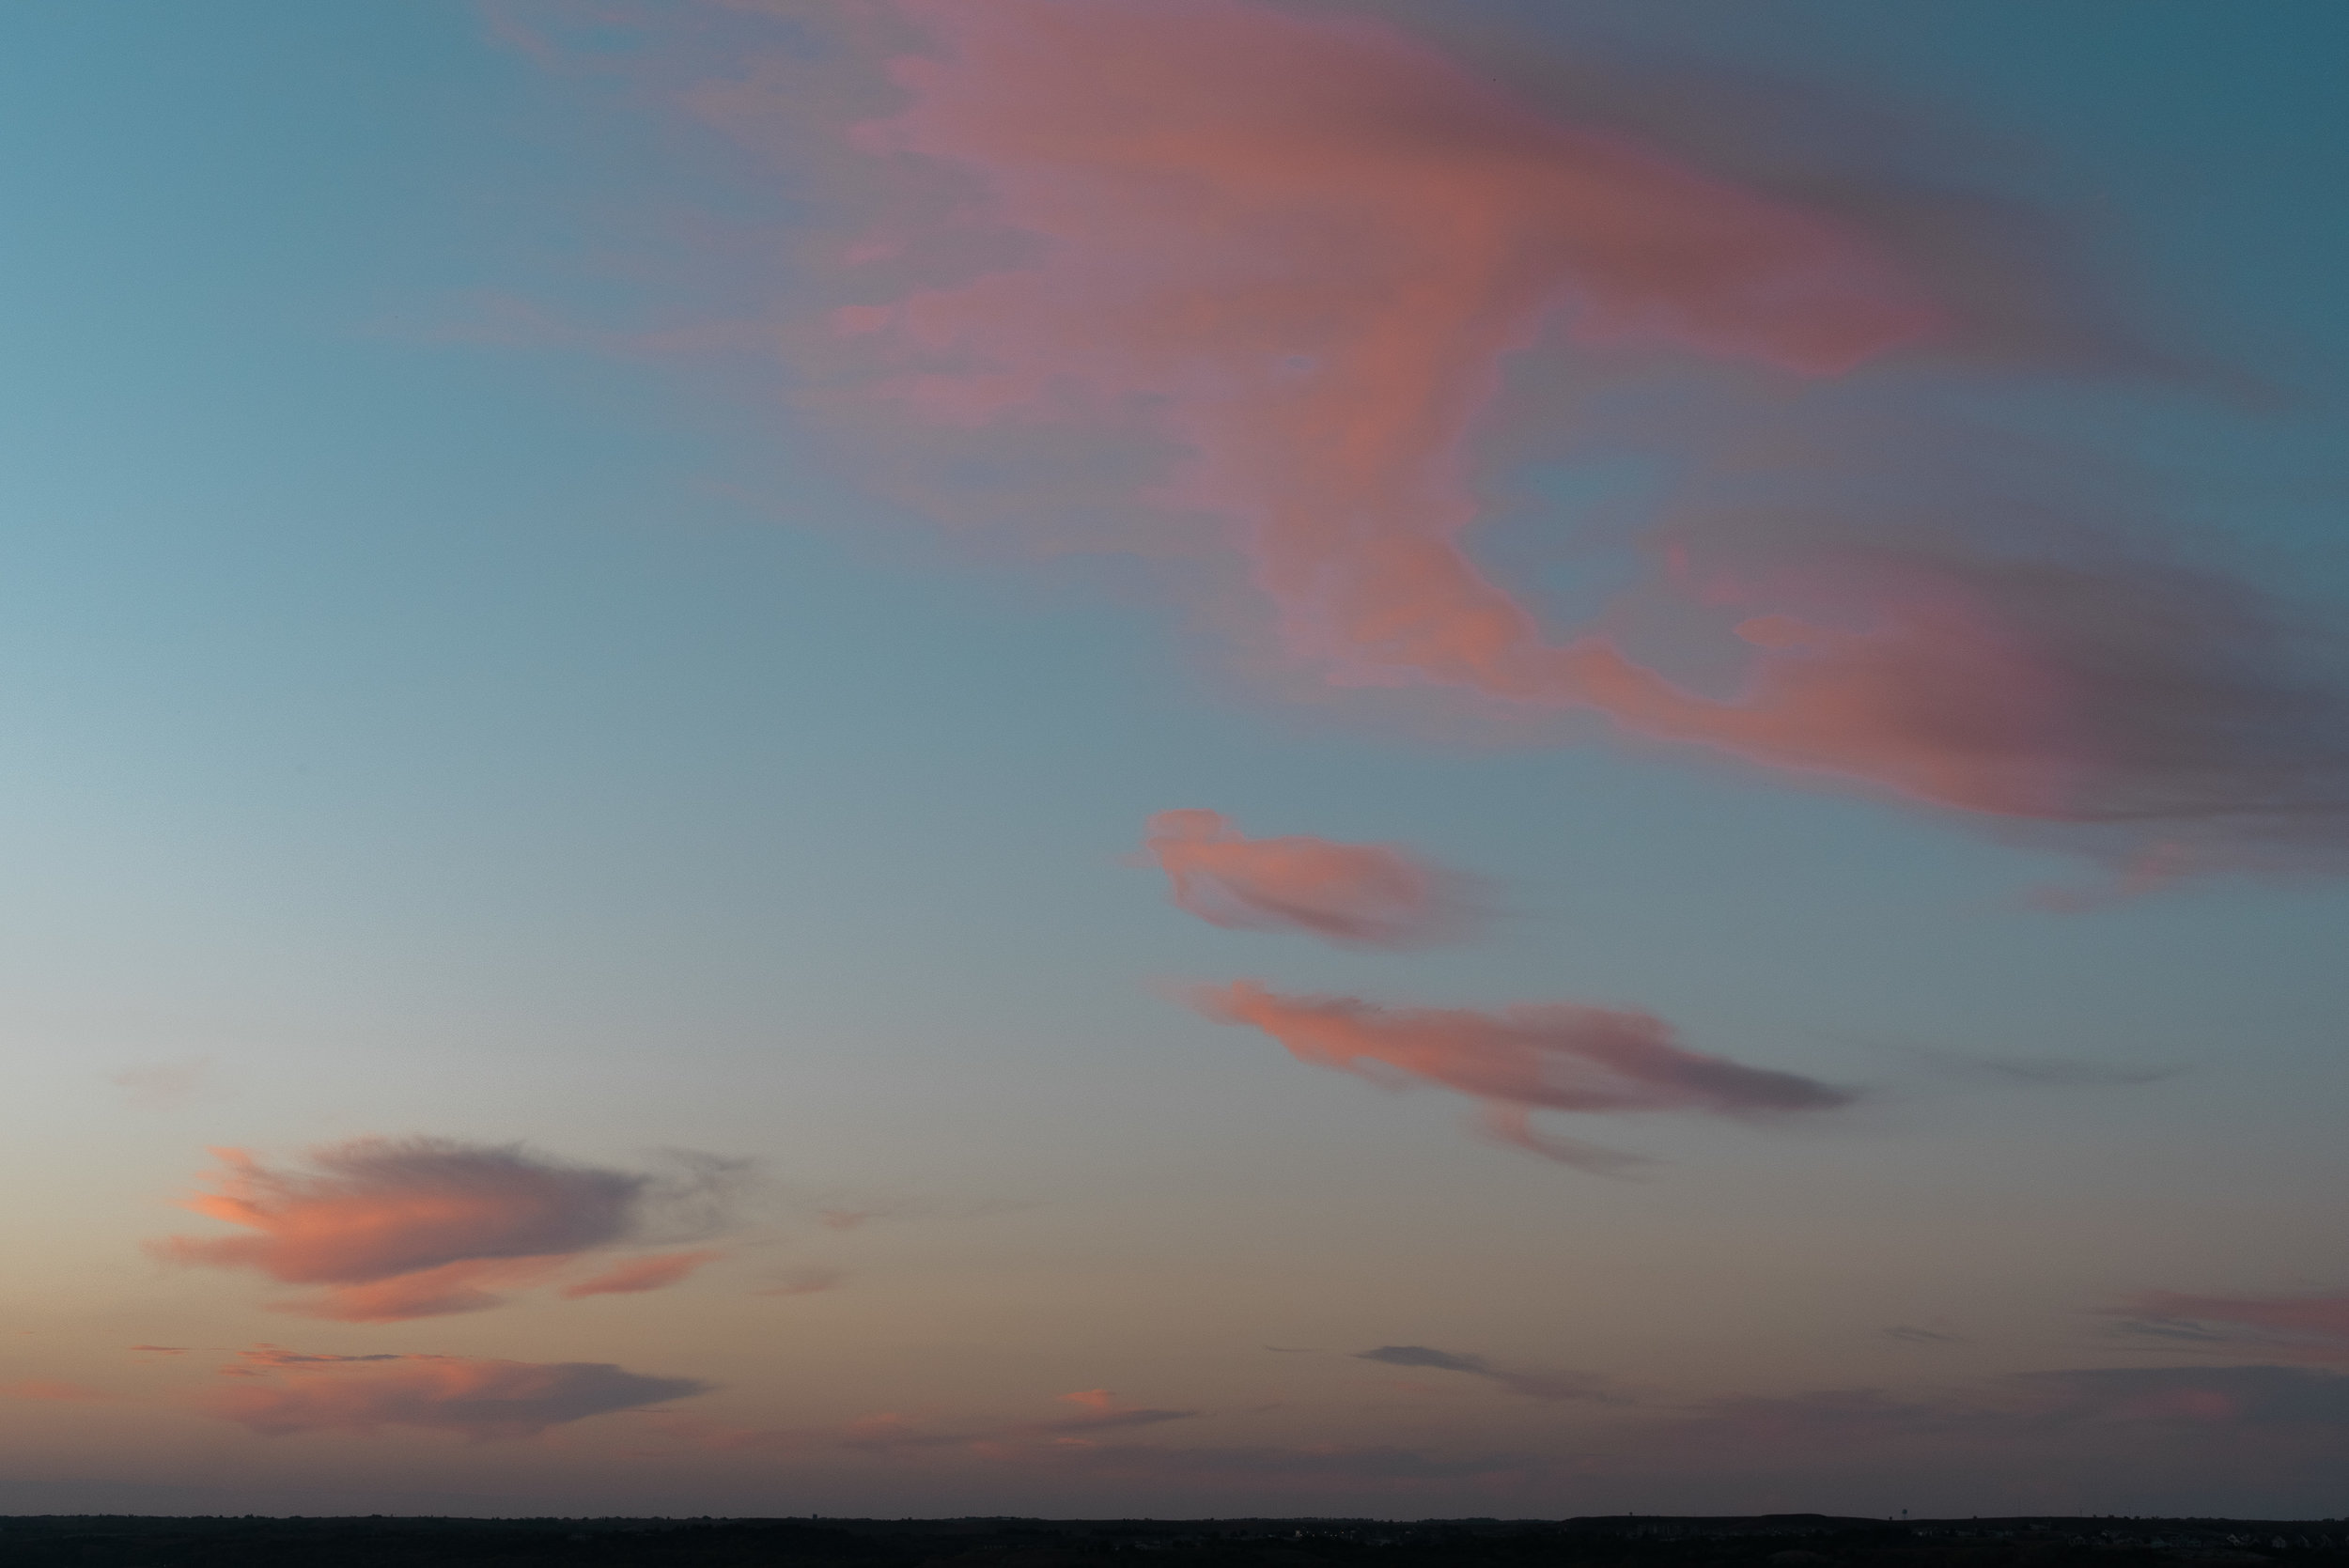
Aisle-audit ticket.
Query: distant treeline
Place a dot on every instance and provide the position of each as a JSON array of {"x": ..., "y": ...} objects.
[{"x": 1625, "y": 1541}]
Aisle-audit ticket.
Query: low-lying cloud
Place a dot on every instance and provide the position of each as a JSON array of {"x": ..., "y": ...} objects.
[
  {"x": 1377, "y": 895},
  {"x": 419, "y": 1227},
  {"x": 2311, "y": 1328},
  {"x": 1100, "y": 1411},
  {"x": 2065, "y": 1406},
  {"x": 279, "y": 1395},
  {"x": 1561, "y": 1057}
]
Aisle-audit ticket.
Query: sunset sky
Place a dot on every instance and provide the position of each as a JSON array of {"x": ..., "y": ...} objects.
[{"x": 1177, "y": 758}]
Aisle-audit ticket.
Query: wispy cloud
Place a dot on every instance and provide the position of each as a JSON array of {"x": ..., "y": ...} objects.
[
  {"x": 419, "y": 1227},
  {"x": 2065, "y": 1406},
  {"x": 1557, "y": 1057},
  {"x": 806, "y": 1280},
  {"x": 1909, "y": 1333},
  {"x": 1550, "y": 1385},
  {"x": 1100, "y": 1411},
  {"x": 655, "y": 1272},
  {"x": 893, "y": 1432},
  {"x": 2314, "y": 1328},
  {"x": 164, "y": 1086},
  {"x": 283, "y": 1394},
  {"x": 1353, "y": 895},
  {"x": 2044, "y": 1072}
]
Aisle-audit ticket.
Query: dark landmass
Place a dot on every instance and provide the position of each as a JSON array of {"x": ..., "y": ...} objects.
[{"x": 1613, "y": 1541}]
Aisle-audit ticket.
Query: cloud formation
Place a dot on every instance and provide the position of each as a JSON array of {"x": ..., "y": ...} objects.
[
  {"x": 2066, "y": 1405},
  {"x": 655, "y": 1272},
  {"x": 1562, "y": 1057},
  {"x": 805, "y": 1279},
  {"x": 1100, "y": 1412},
  {"x": 1533, "y": 1385},
  {"x": 1353, "y": 895},
  {"x": 164, "y": 1086},
  {"x": 409, "y": 1227},
  {"x": 1312, "y": 288},
  {"x": 2314, "y": 1328},
  {"x": 2248, "y": 1397},
  {"x": 284, "y": 1393}
]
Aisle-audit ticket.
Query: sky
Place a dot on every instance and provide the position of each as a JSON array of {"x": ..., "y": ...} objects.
[{"x": 1174, "y": 757}]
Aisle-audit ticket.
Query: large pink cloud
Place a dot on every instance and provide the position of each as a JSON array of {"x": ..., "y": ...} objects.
[
  {"x": 400, "y": 1229},
  {"x": 279, "y": 1395},
  {"x": 1355, "y": 894},
  {"x": 1298, "y": 255},
  {"x": 1558, "y": 1057},
  {"x": 1307, "y": 243}
]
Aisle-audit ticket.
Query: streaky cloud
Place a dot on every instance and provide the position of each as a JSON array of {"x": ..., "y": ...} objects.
[
  {"x": 656, "y": 1271},
  {"x": 1375, "y": 895},
  {"x": 1558, "y": 1057},
  {"x": 478, "y": 1399},
  {"x": 2311, "y": 1326},
  {"x": 1552, "y": 1385}
]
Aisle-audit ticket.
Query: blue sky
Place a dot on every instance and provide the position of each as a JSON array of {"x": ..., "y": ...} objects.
[{"x": 424, "y": 728}]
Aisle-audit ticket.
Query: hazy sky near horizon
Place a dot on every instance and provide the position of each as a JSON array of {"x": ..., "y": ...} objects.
[{"x": 1174, "y": 757}]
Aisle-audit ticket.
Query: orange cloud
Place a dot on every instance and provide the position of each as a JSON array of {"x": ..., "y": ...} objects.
[
  {"x": 49, "y": 1388},
  {"x": 1556, "y": 1057},
  {"x": 478, "y": 1399},
  {"x": 655, "y": 1272},
  {"x": 1355, "y": 894},
  {"x": 420, "y": 1227}
]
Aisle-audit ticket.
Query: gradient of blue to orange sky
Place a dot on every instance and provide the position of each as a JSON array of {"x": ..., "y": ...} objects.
[{"x": 1174, "y": 756}]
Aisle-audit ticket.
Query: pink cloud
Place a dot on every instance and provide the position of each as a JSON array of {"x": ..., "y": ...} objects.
[
  {"x": 656, "y": 1272},
  {"x": 401, "y": 1229},
  {"x": 1294, "y": 259},
  {"x": 478, "y": 1399},
  {"x": 1354, "y": 894},
  {"x": 1559, "y": 1057},
  {"x": 1313, "y": 272}
]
